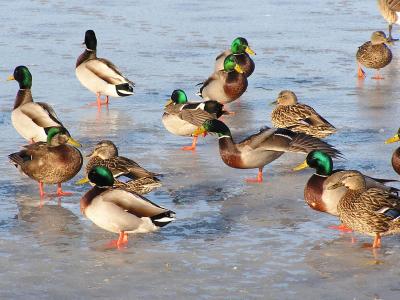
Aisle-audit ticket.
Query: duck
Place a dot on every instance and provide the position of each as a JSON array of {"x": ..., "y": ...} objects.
[
  {"x": 100, "y": 75},
  {"x": 390, "y": 11},
  {"x": 52, "y": 162},
  {"x": 183, "y": 118},
  {"x": 317, "y": 192},
  {"x": 118, "y": 210},
  {"x": 260, "y": 149},
  {"x": 225, "y": 85},
  {"x": 370, "y": 211},
  {"x": 396, "y": 153},
  {"x": 31, "y": 120},
  {"x": 127, "y": 173},
  {"x": 298, "y": 117},
  {"x": 241, "y": 49},
  {"x": 374, "y": 54}
]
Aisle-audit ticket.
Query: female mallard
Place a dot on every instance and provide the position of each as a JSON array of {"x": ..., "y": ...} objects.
[
  {"x": 119, "y": 210},
  {"x": 240, "y": 48},
  {"x": 317, "y": 193},
  {"x": 183, "y": 118},
  {"x": 127, "y": 173},
  {"x": 225, "y": 85},
  {"x": 390, "y": 10},
  {"x": 31, "y": 119},
  {"x": 261, "y": 148},
  {"x": 396, "y": 154},
  {"x": 51, "y": 162},
  {"x": 374, "y": 54},
  {"x": 371, "y": 211},
  {"x": 99, "y": 75},
  {"x": 299, "y": 117}
]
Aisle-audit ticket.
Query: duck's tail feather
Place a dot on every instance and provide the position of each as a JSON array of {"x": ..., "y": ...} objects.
[
  {"x": 163, "y": 219},
  {"x": 124, "y": 89}
]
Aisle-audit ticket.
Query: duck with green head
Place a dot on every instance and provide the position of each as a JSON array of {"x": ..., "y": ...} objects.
[
  {"x": 396, "y": 153},
  {"x": 31, "y": 119},
  {"x": 374, "y": 54},
  {"x": 261, "y": 148},
  {"x": 317, "y": 193},
  {"x": 51, "y": 162},
  {"x": 183, "y": 118},
  {"x": 225, "y": 85},
  {"x": 241, "y": 49},
  {"x": 100, "y": 75},
  {"x": 119, "y": 210}
]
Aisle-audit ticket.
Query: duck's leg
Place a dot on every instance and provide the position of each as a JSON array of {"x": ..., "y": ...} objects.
[
  {"x": 41, "y": 190},
  {"x": 99, "y": 103},
  {"x": 60, "y": 192},
  {"x": 341, "y": 227},
  {"x": 360, "y": 72},
  {"x": 377, "y": 76},
  {"x": 390, "y": 38},
  {"x": 122, "y": 240},
  {"x": 193, "y": 146},
  {"x": 377, "y": 241},
  {"x": 259, "y": 178}
]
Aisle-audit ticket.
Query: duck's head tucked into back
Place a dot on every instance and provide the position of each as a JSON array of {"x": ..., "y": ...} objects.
[
  {"x": 318, "y": 160},
  {"x": 104, "y": 149},
  {"x": 177, "y": 97},
  {"x": 57, "y": 136},
  {"x": 240, "y": 45},
  {"x": 286, "y": 98},
  {"x": 231, "y": 65},
  {"x": 214, "y": 126},
  {"x": 394, "y": 138},
  {"x": 353, "y": 180},
  {"x": 90, "y": 40},
  {"x": 379, "y": 37},
  {"x": 22, "y": 76}
]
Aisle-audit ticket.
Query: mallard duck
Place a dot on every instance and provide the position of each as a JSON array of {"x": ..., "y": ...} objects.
[
  {"x": 31, "y": 119},
  {"x": 99, "y": 75},
  {"x": 119, "y": 210},
  {"x": 317, "y": 193},
  {"x": 225, "y": 85},
  {"x": 240, "y": 48},
  {"x": 390, "y": 10},
  {"x": 183, "y": 118},
  {"x": 374, "y": 54},
  {"x": 396, "y": 153},
  {"x": 299, "y": 117},
  {"x": 51, "y": 162},
  {"x": 261, "y": 148},
  {"x": 371, "y": 211},
  {"x": 127, "y": 173}
]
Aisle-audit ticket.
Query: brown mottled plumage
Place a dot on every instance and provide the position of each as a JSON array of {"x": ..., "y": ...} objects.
[
  {"x": 299, "y": 117},
  {"x": 389, "y": 10}
]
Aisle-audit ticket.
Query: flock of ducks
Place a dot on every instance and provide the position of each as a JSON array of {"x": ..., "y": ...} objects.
[{"x": 116, "y": 202}]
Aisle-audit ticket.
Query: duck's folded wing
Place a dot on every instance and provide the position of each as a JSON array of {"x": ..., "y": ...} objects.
[
  {"x": 393, "y": 4},
  {"x": 106, "y": 71},
  {"x": 41, "y": 114},
  {"x": 123, "y": 166},
  {"x": 309, "y": 116},
  {"x": 195, "y": 116}
]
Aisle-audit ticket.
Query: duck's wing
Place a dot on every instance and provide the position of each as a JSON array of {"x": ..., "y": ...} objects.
[
  {"x": 30, "y": 155},
  {"x": 393, "y": 4},
  {"x": 42, "y": 114},
  {"x": 106, "y": 70},
  {"x": 120, "y": 165},
  {"x": 195, "y": 114},
  {"x": 308, "y": 115}
]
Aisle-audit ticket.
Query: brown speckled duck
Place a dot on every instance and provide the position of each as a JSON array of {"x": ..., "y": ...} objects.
[
  {"x": 374, "y": 54},
  {"x": 396, "y": 153},
  {"x": 390, "y": 10},
  {"x": 371, "y": 211},
  {"x": 299, "y": 117}
]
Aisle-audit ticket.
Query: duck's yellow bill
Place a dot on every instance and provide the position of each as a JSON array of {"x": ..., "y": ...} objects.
[
  {"x": 200, "y": 130},
  {"x": 249, "y": 51},
  {"x": 82, "y": 181},
  {"x": 11, "y": 77},
  {"x": 301, "y": 166},
  {"x": 73, "y": 142},
  {"x": 168, "y": 102},
  {"x": 393, "y": 139},
  {"x": 238, "y": 69}
]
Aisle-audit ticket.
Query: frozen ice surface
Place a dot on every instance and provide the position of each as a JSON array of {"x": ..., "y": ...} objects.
[{"x": 231, "y": 240}]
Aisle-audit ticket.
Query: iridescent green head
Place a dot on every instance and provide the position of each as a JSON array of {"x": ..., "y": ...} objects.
[
  {"x": 59, "y": 136},
  {"x": 318, "y": 160},
  {"x": 240, "y": 46},
  {"x": 214, "y": 126},
  {"x": 22, "y": 76},
  {"x": 101, "y": 176},
  {"x": 230, "y": 64},
  {"x": 179, "y": 97},
  {"x": 90, "y": 40}
]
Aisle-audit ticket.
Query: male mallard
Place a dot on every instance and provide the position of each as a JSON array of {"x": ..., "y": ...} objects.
[
  {"x": 31, "y": 119},
  {"x": 371, "y": 211},
  {"x": 396, "y": 154},
  {"x": 299, "y": 117},
  {"x": 390, "y": 10},
  {"x": 225, "y": 85},
  {"x": 261, "y": 148},
  {"x": 99, "y": 75},
  {"x": 183, "y": 118},
  {"x": 119, "y": 210},
  {"x": 374, "y": 54},
  {"x": 51, "y": 162},
  {"x": 127, "y": 173},
  {"x": 240, "y": 48},
  {"x": 317, "y": 193}
]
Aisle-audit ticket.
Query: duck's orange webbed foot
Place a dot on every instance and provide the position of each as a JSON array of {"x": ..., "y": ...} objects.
[
  {"x": 259, "y": 178},
  {"x": 360, "y": 73},
  {"x": 341, "y": 227},
  {"x": 61, "y": 193},
  {"x": 193, "y": 146},
  {"x": 378, "y": 76}
]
